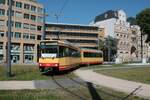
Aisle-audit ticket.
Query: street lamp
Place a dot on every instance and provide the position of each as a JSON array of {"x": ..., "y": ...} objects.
[
  {"x": 142, "y": 45},
  {"x": 8, "y": 52}
]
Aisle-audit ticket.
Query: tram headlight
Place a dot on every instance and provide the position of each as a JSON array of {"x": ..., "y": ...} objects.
[{"x": 55, "y": 64}]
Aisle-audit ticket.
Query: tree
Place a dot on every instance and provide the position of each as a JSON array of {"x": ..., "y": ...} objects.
[
  {"x": 132, "y": 20},
  {"x": 143, "y": 20},
  {"x": 109, "y": 48},
  {"x": 101, "y": 44},
  {"x": 2, "y": 1}
]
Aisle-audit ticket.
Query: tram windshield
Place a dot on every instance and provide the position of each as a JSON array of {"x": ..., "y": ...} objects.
[{"x": 49, "y": 52}]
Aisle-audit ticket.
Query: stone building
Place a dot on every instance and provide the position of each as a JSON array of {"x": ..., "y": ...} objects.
[
  {"x": 136, "y": 44},
  {"x": 116, "y": 25},
  {"x": 27, "y": 24}
]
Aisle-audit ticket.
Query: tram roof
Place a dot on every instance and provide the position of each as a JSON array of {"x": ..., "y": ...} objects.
[
  {"x": 91, "y": 50},
  {"x": 62, "y": 42}
]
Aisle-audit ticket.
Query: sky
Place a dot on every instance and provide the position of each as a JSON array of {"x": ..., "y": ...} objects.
[{"x": 84, "y": 11}]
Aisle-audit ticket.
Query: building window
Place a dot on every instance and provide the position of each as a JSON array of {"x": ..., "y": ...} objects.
[
  {"x": 33, "y": 8},
  {"x": 12, "y": 13},
  {"x": 33, "y": 17},
  {"x": 32, "y": 27},
  {"x": 18, "y": 14},
  {"x": 15, "y": 47},
  {"x": 26, "y": 16},
  {"x": 18, "y": 4},
  {"x": 39, "y": 28},
  {"x": 38, "y": 37},
  {"x": 12, "y": 23},
  {"x": 29, "y": 58},
  {"x": 17, "y": 35},
  {"x": 40, "y": 10},
  {"x": 2, "y": 12},
  {"x": 26, "y": 6},
  {"x": 26, "y": 35},
  {"x": 106, "y": 15},
  {"x": 13, "y": 2},
  {"x": 18, "y": 24},
  {"x": 1, "y": 34},
  {"x": 2, "y": 23},
  {"x": 1, "y": 58},
  {"x": 40, "y": 19},
  {"x": 26, "y": 26},
  {"x": 32, "y": 36},
  {"x": 28, "y": 47},
  {"x": 12, "y": 34},
  {"x": 1, "y": 45}
]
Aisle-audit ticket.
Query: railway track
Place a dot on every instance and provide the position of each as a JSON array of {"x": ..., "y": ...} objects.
[
  {"x": 77, "y": 95},
  {"x": 80, "y": 95}
]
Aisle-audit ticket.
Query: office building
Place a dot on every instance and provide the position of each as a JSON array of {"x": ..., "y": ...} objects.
[
  {"x": 83, "y": 36},
  {"x": 27, "y": 28}
]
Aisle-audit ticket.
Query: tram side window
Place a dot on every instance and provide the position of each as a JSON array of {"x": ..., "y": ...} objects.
[
  {"x": 100, "y": 55},
  {"x": 67, "y": 52},
  {"x": 89, "y": 54},
  {"x": 62, "y": 51},
  {"x": 78, "y": 54},
  {"x": 74, "y": 53}
]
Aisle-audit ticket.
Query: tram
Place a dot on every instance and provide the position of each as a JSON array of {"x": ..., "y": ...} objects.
[
  {"x": 90, "y": 56},
  {"x": 56, "y": 55}
]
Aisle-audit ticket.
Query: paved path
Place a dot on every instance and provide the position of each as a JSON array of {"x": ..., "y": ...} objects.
[
  {"x": 38, "y": 84},
  {"x": 114, "y": 83}
]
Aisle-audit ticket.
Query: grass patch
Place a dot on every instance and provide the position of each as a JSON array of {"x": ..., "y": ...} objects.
[
  {"x": 26, "y": 72},
  {"x": 133, "y": 74},
  {"x": 103, "y": 66},
  {"x": 59, "y": 94},
  {"x": 111, "y": 66}
]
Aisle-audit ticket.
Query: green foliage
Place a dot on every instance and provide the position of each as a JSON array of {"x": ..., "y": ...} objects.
[
  {"x": 101, "y": 44},
  {"x": 111, "y": 43},
  {"x": 132, "y": 20},
  {"x": 2, "y": 1},
  {"x": 143, "y": 20},
  {"x": 109, "y": 47}
]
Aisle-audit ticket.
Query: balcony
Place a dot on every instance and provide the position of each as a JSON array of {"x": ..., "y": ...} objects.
[
  {"x": 71, "y": 30},
  {"x": 78, "y": 37},
  {"x": 71, "y": 37},
  {"x": 87, "y": 44}
]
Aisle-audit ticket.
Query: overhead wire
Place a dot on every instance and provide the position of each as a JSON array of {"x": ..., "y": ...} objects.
[{"x": 57, "y": 15}]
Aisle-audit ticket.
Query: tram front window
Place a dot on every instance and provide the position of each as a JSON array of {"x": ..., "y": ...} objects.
[{"x": 49, "y": 53}]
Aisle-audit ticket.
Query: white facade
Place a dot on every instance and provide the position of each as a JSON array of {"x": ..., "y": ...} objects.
[
  {"x": 122, "y": 15},
  {"x": 119, "y": 28},
  {"x": 136, "y": 34},
  {"x": 108, "y": 25}
]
